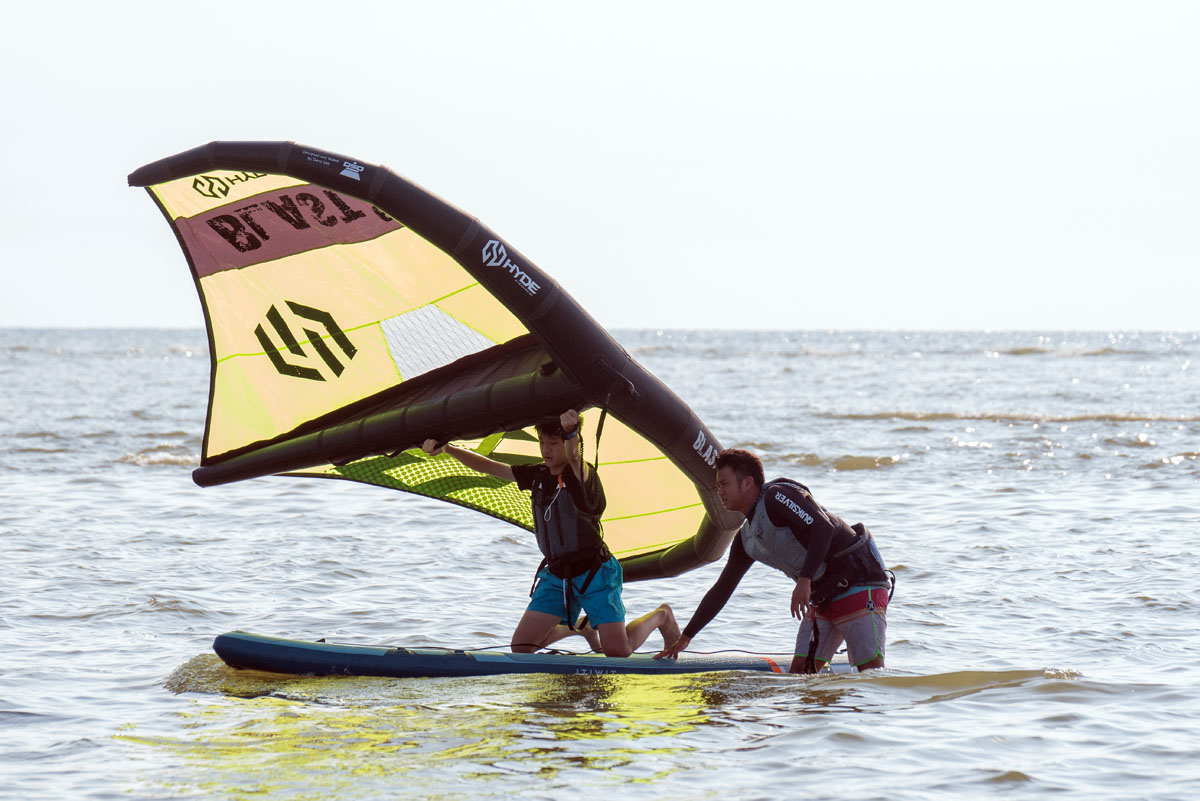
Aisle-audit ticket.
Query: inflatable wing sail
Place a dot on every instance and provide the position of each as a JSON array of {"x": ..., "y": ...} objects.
[{"x": 351, "y": 315}]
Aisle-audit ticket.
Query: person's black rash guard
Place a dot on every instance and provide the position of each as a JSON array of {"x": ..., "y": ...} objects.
[{"x": 789, "y": 505}]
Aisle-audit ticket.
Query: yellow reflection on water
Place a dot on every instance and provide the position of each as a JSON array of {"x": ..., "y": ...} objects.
[{"x": 260, "y": 734}]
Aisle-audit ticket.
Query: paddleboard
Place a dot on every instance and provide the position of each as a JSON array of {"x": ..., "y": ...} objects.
[{"x": 239, "y": 649}]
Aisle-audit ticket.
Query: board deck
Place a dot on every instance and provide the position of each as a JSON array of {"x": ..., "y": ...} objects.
[{"x": 239, "y": 649}]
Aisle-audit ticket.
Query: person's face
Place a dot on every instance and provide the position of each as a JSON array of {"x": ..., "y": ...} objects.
[
  {"x": 554, "y": 452},
  {"x": 736, "y": 495}
]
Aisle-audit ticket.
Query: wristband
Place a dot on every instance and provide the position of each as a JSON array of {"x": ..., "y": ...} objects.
[{"x": 574, "y": 432}]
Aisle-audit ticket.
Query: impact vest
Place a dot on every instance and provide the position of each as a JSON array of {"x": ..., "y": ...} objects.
[
  {"x": 774, "y": 545},
  {"x": 570, "y": 539},
  {"x": 778, "y": 547}
]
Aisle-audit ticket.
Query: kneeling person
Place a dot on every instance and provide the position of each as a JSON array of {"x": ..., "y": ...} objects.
[{"x": 578, "y": 571}]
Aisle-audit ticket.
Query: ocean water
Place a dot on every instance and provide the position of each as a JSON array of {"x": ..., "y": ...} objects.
[{"x": 1036, "y": 494}]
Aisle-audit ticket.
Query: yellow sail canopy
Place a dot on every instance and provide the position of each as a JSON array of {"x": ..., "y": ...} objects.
[{"x": 351, "y": 315}]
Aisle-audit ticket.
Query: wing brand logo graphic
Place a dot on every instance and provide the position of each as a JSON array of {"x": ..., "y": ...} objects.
[
  {"x": 496, "y": 255},
  {"x": 314, "y": 338},
  {"x": 353, "y": 170},
  {"x": 248, "y": 227},
  {"x": 704, "y": 450},
  {"x": 217, "y": 187}
]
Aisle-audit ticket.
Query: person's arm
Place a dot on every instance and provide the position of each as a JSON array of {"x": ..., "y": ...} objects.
[
  {"x": 569, "y": 422},
  {"x": 476, "y": 461},
  {"x": 715, "y": 599},
  {"x": 582, "y": 479},
  {"x": 788, "y": 505},
  {"x": 588, "y": 494}
]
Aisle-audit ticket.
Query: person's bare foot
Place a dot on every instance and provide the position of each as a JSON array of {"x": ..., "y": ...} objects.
[
  {"x": 588, "y": 633},
  {"x": 669, "y": 628}
]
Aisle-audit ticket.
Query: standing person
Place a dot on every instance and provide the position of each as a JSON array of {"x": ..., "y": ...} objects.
[
  {"x": 578, "y": 570},
  {"x": 841, "y": 583}
]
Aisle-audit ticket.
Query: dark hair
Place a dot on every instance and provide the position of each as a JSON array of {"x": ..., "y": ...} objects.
[
  {"x": 551, "y": 427},
  {"x": 744, "y": 464}
]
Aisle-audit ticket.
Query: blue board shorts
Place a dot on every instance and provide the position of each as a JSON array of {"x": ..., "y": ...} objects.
[{"x": 602, "y": 600}]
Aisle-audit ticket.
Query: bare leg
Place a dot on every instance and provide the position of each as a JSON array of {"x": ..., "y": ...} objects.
[
  {"x": 797, "y": 665},
  {"x": 618, "y": 639},
  {"x": 662, "y": 619},
  {"x": 830, "y": 638},
  {"x": 587, "y": 632},
  {"x": 613, "y": 639},
  {"x": 532, "y": 631}
]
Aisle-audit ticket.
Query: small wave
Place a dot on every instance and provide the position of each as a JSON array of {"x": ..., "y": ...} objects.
[
  {"x": 1065, "y": 353},
  {"x": 172, "y": 605},
  {"x": 1177, "y": 459},
  {"x": 161, "y": 456},
  {"x": 864, "y": 462},
  {"x": 40, "y": 435},
  {"x": 1009, "y": 777},
  {"x": 11, "y": 718},
  {"x": 846, "y": 462},
  {"x": 206, "y": 673},
  {"x": 652, "y": 350},
  {"x": 1110, "y": 352},
  {"x": 948, "y": 686},
  {"x": 833, "y": 354},
  {"x": 1140, "y": 441}
]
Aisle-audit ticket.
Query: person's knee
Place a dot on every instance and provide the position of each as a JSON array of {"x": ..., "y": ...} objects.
[
  {"x": 614, "y": 639},
  {"x": 666, "y": 610}
]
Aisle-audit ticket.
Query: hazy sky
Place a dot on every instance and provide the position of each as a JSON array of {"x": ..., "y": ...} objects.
[{"x": 749, "y": 165}]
